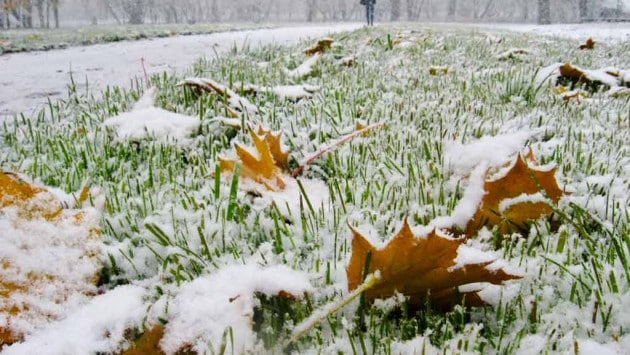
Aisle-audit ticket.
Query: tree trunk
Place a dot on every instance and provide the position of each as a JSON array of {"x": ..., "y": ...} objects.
[
  {"x": 395, "y": 10},
  {"x": 39, "y": 6},
  {"x": 544, "y": 12},
  {"x": 310, "y": 10},
  {"x": 214, "y": 8},
  {"x": 135, "y": 11},
  {"x": 583, "y": 8},
  {"x": 27, "y": 18},
  {"x": 55, "y": 4},
  {"x": 452, "y": 7}
]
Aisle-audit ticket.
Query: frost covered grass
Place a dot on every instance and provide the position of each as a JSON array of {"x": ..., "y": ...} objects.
[
  {"x": 175, "y": 228},
  {"x": 27, "y": 40}
]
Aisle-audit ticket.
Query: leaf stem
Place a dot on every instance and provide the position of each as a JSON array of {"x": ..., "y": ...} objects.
[{"x": 328, "y": 148}]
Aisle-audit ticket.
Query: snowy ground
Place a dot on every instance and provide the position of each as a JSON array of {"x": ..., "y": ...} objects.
[
  {"x": 28, "y": 79},
  {"x": 603, "y": 32},
  {"x": 198, "y": 253}
]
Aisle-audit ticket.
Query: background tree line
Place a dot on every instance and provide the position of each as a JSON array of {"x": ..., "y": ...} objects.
[{"x": 49, "y": 13}]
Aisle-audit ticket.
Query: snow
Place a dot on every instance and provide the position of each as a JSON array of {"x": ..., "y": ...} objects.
[
  {"x": 290, "y": 200},
  {"x": 52, "y": 262},
  {"x": 600, "y": 32},
  {"x": 505, "y": 204},
  {"x": 467, "y": 206},
  {"x": 100, "y": 326},
  {"x": 96, "y": 67},
  {"x": 305, "y": 68},
  {"x": 146, "y": 121},
  {"x": 494, "y": 151},
  {"x": 292, "y": 93},
  {"x": 204, "y": 308}
]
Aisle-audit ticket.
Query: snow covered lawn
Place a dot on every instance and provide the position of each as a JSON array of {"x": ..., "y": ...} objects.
[{"x": 213, "y": 262}]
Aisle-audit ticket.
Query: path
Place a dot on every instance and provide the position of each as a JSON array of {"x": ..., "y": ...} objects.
[{"x": 28, "y": 79}]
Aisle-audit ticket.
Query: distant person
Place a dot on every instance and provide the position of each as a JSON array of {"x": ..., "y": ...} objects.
[{"x": 369, "y": 11}]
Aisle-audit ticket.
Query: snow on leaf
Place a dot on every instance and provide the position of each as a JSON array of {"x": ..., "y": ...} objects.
[
  {"x": 33, "y": 201},
  {"x": 422, "y": 267},
  {"x": 514, "y": 198},
  {"x": 145, "y": 120},
  {"x": 97, "y": 326},
  {"x": 234, "y": 101},
  {"x": 304, "y": 69},
  {"x": 322, "y": 45},
  {"x": 48, "y": 254},
  {"x": 513, "y": 53},
  {"x": 265, "y": 165}
]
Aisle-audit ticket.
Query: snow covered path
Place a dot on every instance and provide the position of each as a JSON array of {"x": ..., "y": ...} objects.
[{"x": 27, "y": 79}]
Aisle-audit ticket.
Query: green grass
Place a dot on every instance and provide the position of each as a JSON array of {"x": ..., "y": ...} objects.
[
  {"x": 27, "y": 40},
  {"x": 171, "y": 219}
]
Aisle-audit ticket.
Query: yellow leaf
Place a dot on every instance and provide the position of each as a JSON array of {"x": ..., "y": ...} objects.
[
  {"x": 419, "y": 267},
  {"x": 265, "y": 165},
  {"x": 22, "y": 288},
  {"x": 32, "y": 202},
  {"x": 148, "y": 343}
]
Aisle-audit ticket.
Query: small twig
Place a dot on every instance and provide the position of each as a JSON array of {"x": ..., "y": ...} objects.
[
  {"x": 318, "y": 316},
  {"x": 328, "y": 148},
  {"x": 146, "y": 76}
]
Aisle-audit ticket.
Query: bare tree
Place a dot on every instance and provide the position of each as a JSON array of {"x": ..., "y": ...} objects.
[
  {"x": 311, "y": 8},
  {"x": 583, "y": 9},
  {"x": 544, "y": 12},
  {"x": 395, "y": 14},
  {"x": 452, "y": 8}
]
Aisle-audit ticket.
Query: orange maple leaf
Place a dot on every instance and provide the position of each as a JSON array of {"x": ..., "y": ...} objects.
[
  {"x": 419, "y": 267},
  {"x": 589, "y": 44},
  {"x": 266, "y": 165},
  {"x": 321, "y": 45},
  {"x": 519, "y": 190}
]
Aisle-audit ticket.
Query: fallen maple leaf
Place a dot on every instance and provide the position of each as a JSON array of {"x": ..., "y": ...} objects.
[
  {"x": 421, "y": 267},
  {"x": 33, "y": 201},
  {"x": 320, "y": 46},
  {"x": 148, "y": 343},
  {"x": 32, "y": 279},
  {"x": 235, "y": 101},
  {"x": 265, "y": 166},
  {"x": 518, "y": 196},
  {"x": 589, "y": 44}
]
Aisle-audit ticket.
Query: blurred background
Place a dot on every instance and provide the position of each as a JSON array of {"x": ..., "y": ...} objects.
[{"x": 69, "y": 13}]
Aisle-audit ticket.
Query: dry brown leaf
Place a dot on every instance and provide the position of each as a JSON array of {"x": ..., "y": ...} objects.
[
  {"x": 148, "y": 343},
  {"x": 589, "y": 44},
  {"x": 574, "y": 74},
  {"x": 266, "y": 165},
  {"x": 320, "y": 46},
  {"x": 419, "y": 267},
  {"x": 522, "y": 180},
  {"x": 235, "y": 101}
]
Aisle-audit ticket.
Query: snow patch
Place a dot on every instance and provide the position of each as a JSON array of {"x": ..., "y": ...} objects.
[
  {"x": 206, "y": 307},
  {"x": 97, "y": 327}
]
